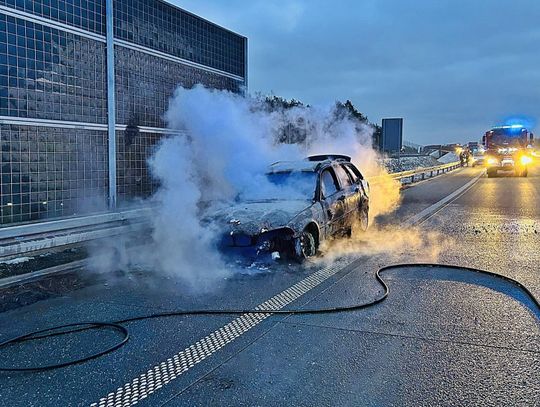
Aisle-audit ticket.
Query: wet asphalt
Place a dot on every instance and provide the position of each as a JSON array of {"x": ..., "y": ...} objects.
[{"x": 442, "y": 337}]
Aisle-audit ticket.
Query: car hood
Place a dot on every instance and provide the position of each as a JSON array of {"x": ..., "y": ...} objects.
[{"x": 252, "y": 216}]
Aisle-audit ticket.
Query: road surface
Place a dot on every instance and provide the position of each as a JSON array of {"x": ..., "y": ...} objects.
[{"x": 443, "y": 336}]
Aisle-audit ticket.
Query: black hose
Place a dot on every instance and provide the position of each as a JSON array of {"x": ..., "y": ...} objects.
[
  {"x": 30, "y": 336},
  {"x": 49, "y": 332}
]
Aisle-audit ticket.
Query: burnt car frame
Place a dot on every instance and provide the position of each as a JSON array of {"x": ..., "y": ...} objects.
[{"x": 294, "y": 227}]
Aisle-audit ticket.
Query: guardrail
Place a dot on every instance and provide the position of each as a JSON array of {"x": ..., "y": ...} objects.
[
  {"x": 421, "y": 172},
  {"x": 19, "y": 231},
  {"x": 418, "y": 174},
  {"x": 43, "y": 236}
]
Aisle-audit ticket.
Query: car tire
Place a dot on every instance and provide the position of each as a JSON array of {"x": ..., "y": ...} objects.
[
  {"x": 363, "y": 219},
  {"x": 491, "y": 173},
  {"x": 305, "y": 246},
  {"x": 524, "y": 173},
  {"x": 361, "y": 223}
]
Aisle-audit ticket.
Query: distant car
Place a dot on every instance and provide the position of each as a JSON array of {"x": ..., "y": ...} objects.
[
  {"x": 310, "y": 201},
  {"x": 478, "y": 158}
]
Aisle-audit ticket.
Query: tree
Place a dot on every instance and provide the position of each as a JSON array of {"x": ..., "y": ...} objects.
[
  {"x": 277, "y": 102},
  {"x": 355, "y": 113},
  {"x": 297, "y": 132}
]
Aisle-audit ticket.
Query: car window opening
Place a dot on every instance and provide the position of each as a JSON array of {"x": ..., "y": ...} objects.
[
  {"x": 344, "y": 177},
  {"x": 329, "y": 184}
]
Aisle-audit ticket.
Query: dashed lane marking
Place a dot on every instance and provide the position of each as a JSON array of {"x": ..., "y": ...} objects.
[{"x": 168, "y": 370}]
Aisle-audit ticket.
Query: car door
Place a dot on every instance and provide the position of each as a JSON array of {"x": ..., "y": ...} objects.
[
  {"x": 361, "y": 185},
  {"x": 332, "y": 200},
  {"x": 350, "y": 192}
]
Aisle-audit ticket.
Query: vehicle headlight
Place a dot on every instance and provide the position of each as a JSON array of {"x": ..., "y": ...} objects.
[
  {"x": 492, "y": 161},
  {"x": 525, "y": 159}
]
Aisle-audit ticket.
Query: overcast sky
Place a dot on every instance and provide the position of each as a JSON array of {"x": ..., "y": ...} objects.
[{"x": 451, "y": 68}]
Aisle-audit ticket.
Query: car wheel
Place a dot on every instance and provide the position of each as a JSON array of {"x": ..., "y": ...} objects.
[
  {"x": 525, "y": 172},
  {"x": 305, "y": 246},
  {"x": 491, "y": 173},
  {"x": 361, "y": 223},
  {"x": 363, "y": 218}
]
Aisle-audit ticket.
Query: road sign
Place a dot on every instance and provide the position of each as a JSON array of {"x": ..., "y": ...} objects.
[{"x": 392, "y": 134}]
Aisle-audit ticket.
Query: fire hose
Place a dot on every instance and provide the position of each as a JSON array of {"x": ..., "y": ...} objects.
[{"x": 117, "y": 325}]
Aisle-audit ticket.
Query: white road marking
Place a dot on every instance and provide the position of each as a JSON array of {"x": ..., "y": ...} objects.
[
  {"x": 430, "y": 210},
  {"x": 168, "y": 370},
  {"x": 160, "y": 375}
]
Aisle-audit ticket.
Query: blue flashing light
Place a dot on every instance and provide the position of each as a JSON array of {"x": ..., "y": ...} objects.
[
  {"x": 513, "y": 126},
  {"x": 519, "y": 121}
]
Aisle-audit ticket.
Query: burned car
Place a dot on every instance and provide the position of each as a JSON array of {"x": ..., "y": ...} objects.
[{"x": 309, "y": 201}]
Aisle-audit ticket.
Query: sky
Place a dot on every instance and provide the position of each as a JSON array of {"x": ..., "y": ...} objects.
[{"x": 451, "y": 68}]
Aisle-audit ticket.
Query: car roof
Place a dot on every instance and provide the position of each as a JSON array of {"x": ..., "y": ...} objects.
[
  {"x": 292, "y": 166},
  {"x": 310, "y": 164}
]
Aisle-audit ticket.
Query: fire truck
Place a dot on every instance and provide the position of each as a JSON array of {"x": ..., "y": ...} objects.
[{"x": 508, "y": 149}]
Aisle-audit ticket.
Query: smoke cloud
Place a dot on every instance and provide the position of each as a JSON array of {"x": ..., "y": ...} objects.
[
  {"x": 396, "y": 244},
  {"x": 223, "y": 153},
  {"x": 233, "y": 139}
]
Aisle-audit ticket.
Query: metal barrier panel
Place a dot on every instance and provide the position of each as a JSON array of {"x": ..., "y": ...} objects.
[{"x": 82, "y": 100}]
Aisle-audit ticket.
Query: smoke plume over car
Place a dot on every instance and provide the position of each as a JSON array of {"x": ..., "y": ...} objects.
[{"x": 232, "y": 139}]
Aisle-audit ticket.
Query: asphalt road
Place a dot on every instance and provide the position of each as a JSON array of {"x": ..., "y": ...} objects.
[{"x": 443, "y": 336}]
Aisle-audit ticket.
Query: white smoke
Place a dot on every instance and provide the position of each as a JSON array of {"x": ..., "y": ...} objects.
[
  {"x": 228, "y": 141},
  {"x": 182, "y": 246},
  {"x": 233, "y": 138},
  {"x": 231, "y": 143}
]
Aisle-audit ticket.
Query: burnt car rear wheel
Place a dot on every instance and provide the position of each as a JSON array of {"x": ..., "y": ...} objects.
[
  {"x": 363, "y": 218},
  {"x": 305, "y": 245},
  {"x": 361, "y": 223}
]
